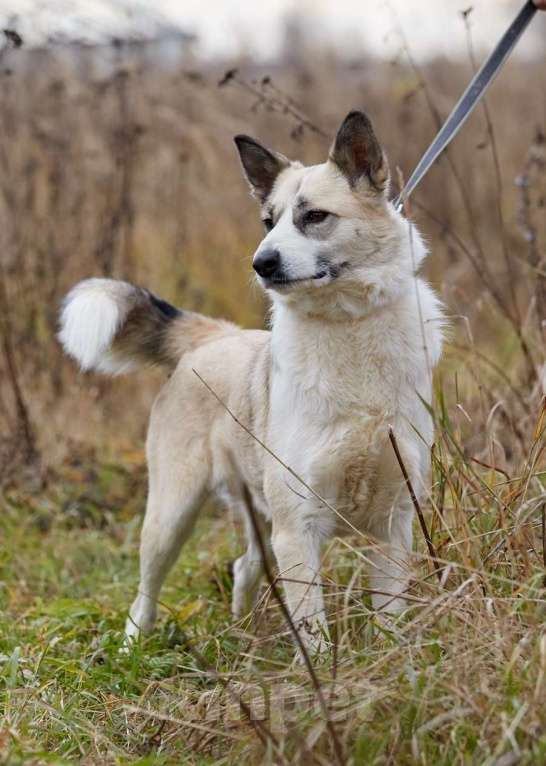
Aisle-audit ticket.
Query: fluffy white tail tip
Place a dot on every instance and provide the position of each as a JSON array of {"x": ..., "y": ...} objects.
[{"x": 92, "y": 314}]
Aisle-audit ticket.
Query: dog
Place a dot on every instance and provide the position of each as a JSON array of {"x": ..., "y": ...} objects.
[{"x": 355, "y": 336}]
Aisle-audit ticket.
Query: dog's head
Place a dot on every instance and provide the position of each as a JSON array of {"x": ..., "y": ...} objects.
[{"x": 330, "y": 229}]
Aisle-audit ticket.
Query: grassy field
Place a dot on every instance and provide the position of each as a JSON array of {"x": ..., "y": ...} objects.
[
  {"x": 128, "y": 170},
  {"x": 461, "y": 679}
]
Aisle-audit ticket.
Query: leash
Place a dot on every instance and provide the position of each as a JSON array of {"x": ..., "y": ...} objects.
[{"x": 472, "y": 95}]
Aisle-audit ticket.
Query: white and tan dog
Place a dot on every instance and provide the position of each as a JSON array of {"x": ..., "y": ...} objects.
[{"x": 355, "y": 335}]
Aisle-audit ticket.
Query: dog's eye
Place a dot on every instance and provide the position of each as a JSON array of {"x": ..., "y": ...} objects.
[
  {"x": 268, "y": 223},
  {"x": 315, "y": 216}
]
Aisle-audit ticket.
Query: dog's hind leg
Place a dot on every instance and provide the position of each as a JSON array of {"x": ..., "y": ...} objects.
[{"x": 175, "y": 495}]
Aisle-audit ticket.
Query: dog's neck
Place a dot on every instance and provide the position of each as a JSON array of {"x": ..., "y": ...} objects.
[
  {"x": 325, "y": 337},
  {"x": 329, "y": 308},
  {"x": 310, "y": 327}
]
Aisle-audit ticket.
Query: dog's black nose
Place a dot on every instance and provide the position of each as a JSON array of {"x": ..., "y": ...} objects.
[{"x": 267, "y": 263}]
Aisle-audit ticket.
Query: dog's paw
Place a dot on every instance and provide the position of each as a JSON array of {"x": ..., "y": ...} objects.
[
  {"x": 132, "y": 636},
  {"x": 316, "y": 642}
]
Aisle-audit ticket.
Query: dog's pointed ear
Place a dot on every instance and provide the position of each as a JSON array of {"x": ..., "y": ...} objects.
[
  {"x": 358, "y": 154},
  {"x": 261, "y": 166}
]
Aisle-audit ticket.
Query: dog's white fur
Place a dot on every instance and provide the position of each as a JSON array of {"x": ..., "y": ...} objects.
[
  {"x": 90, "y": 318},
  {"x": 355, "y": 336}
]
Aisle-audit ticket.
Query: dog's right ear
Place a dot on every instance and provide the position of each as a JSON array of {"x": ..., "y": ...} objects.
[
  {"x": 358, "y": 154},
  {"x": 260, "y": 165}
]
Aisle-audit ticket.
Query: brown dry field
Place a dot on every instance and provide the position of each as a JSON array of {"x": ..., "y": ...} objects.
[
  {"x": 129, "y": 170},
  {"x": 133, "y": 174}
]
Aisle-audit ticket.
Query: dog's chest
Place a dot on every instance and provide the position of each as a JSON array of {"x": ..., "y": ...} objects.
[
  {"x": 324, "y": 374},
  {"x": 336, "y": 455},
  {"x": 333, "y": 395},
  {"x": 325, "y": 424}
]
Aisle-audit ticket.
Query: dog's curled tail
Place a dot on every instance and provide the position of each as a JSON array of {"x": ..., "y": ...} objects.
[{"x": 114, "y": 327}]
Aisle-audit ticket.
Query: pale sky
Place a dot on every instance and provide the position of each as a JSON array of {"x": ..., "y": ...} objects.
[{"x": 227, "y": 27}]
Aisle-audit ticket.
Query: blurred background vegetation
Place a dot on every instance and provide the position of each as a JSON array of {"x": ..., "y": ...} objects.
[{"x": 117, "y": 161}]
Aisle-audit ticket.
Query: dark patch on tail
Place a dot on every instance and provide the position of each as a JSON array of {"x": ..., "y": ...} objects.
[
  {"x": 144, "y": 335},
  {"x": 168, "y": 311},
  {"x": 155, "y": 332}
]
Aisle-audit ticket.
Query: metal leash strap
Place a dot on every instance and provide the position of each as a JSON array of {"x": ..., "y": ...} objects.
[{"x": 472, "y": 95}]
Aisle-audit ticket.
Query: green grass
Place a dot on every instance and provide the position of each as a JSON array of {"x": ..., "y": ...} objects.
[
  {"x": 460, "y": 680},
  {"x": 68, "y": 573}
]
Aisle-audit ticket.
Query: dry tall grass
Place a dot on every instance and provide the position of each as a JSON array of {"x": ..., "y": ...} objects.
[{"x": 131, "y": 172}]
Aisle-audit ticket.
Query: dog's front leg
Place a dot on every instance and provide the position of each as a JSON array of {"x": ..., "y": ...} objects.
[{"x": 297, "y": 548}]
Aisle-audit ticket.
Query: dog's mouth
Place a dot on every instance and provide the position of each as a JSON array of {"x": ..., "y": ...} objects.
[
  {"x": 285, "y": 282},
  {"x": 325, "y": 276}
]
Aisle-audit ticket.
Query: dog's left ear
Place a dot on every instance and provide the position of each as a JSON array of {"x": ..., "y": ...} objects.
[
  {"x": 261, "y": 166},
  {"x": 358, "y": 154}
]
